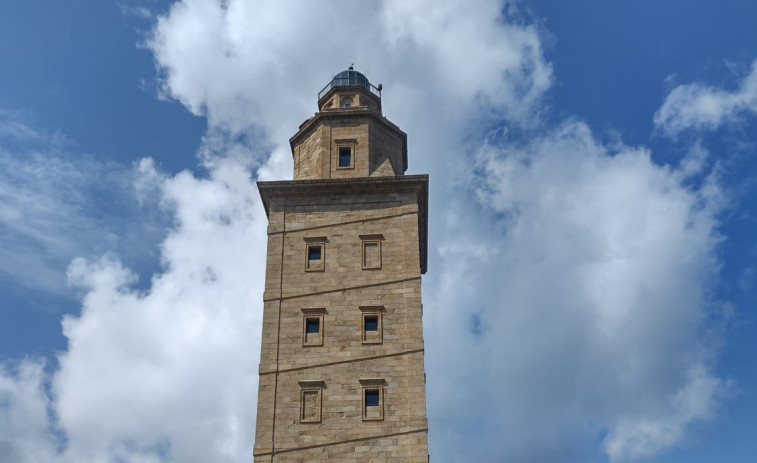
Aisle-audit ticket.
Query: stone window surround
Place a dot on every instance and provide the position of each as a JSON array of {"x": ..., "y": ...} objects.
[
  {"x": 372, "y": 311},
  {"x": 307, "y": 387},
  {"x": 319, "y": 265},
  {"x": 347, "y": 101},
  {"x": 311, "y": 313},
  {"x": 371, "y": 239},
  {"x": 372, "y": 384},
  {"x": 350, "y": 143}
]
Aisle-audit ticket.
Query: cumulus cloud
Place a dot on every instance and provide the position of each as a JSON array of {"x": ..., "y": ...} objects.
[
  {"x": 576, "y": 304},
  {"x": 622, "y": 254},
  {"x": 164, "y": 374},
  {"x": 25, "y": 431},
  {"x": 170, "y": 374},
  {"x": 702, "y": 107},
  {"x": 568, "y": 284},
  {"x": 256, "y": 67},
  {"x": 638, "y": 437}
]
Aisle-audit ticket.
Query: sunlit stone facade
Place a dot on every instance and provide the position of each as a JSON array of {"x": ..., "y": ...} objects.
[{"x": 342, "y": 360}]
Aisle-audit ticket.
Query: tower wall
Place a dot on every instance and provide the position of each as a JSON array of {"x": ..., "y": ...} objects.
[
  {"x": 342, "y": 359},
  {"x": 377, "y": 145}
]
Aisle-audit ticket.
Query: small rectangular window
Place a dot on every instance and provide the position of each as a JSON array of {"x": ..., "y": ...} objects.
[
  {"x": 312, "y": 326},
  {"x": 372, "y": 321},
  {"x": 315, "y": 254},
  {"x": 345, "y": 156},
  {"x": 373, "y": 399}
]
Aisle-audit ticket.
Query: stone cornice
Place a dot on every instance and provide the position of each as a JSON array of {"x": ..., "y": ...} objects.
[{"x": 356, "y": 186}]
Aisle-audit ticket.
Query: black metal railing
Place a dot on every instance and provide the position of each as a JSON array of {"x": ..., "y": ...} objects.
[{"x": 349, "y": 78}]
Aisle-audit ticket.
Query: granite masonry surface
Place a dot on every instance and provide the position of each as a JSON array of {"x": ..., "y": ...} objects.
[{"x": 342, "y": 360}]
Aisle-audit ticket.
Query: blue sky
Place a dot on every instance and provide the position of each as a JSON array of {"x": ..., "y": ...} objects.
[{"x": 592, "y": 278}]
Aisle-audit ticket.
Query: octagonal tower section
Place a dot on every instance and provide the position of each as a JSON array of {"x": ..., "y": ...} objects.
[{"x": 349, "y": 137}]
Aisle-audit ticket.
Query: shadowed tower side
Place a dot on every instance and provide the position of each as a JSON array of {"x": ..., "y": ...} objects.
[{"x": 341, "y": 368}]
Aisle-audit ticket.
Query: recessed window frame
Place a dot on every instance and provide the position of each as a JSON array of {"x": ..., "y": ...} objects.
[
  {"x": 377, "y": 312},
  {"x": 308, "y": 387},
  {"x": 374, "y": 395},
  {"x": 344, "y": 151},
  {"x": 371, "y": 240},
  {"x": 312, "y": 313},
  {"x": 344, "y": 144},
  {"x": 315, "y": 265},
  {"x": 372, "y": 385}
]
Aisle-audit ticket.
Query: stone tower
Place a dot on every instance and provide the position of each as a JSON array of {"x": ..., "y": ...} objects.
[{"x": 341, "y": 366}]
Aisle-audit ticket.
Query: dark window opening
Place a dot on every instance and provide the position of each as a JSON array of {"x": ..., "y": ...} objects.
[
  {"x": 312, "y": 325},
  {"x": 314, "y": 253},
  {"x": 345, "y": 156},
  {"x": 371, "y": 398},
  {"x": 371, "y": 324}
]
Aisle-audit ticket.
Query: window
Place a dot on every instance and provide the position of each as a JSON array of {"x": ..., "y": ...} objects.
[
  {"x": 315, "y": 254},
  {"x": 345, "y": 149},
  {"x": 310, "y": 401},
  {"x": 347, "y": 102},
  {"x": 373, "y": 399},
  {"x": 345, "y": 156},
  {"x": 312, "y": 326},
  {"x": 372, "y": 321}
]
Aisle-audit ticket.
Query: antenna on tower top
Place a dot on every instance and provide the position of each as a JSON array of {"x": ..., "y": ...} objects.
[{"x": 351, "y": 66}]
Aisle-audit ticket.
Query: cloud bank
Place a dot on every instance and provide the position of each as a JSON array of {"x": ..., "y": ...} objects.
[
  {"x": 576, "y": 305},
  {"x": 569, "y": 280}
]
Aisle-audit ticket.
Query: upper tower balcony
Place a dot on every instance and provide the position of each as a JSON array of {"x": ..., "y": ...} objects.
[{"x": 350, "y": 89}]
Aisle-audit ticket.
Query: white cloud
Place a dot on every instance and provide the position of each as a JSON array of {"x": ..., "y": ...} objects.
[
  {"x": 55, "y": 205},
  {"x": 640, "y": 437},
  {"x": 568, "y": 281},
  {"x": 701, "y": 107},
  {"x": 171, "y": 373},
  {"x": 139, "y": 12},
  {"x": 620, "y": 255},
  {"x": 25, "y": 432},
  {"x": 257, "y": 67},
  {"x": 589, "y": 291},
  {"x": 164, "y": 374}
]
